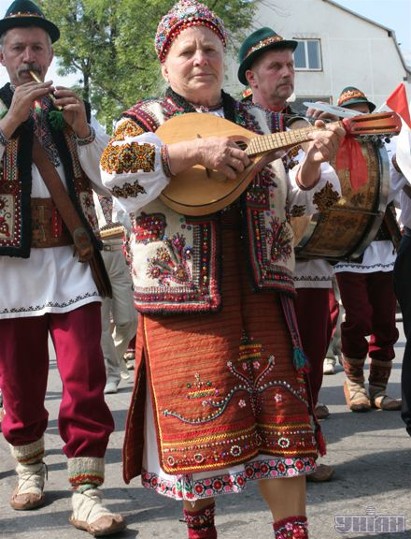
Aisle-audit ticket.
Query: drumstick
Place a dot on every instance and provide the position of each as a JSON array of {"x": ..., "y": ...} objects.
[{"x": 37, "y": 79}]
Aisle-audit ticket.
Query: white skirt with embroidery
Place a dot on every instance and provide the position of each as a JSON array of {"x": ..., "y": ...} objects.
[{"x": 196, "y": 486}]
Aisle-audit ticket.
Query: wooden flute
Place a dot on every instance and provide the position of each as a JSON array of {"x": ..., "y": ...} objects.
[{"x": 37, "y": 79}]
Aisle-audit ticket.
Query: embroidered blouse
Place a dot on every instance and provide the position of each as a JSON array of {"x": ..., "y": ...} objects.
[{"x": 175, "y": 257}]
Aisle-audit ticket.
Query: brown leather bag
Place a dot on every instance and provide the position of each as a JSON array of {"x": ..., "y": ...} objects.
[{"x": 84, "y": 247}]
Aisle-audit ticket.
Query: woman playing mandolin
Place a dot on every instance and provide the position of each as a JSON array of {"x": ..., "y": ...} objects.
[{"x": 220, "y": 395}]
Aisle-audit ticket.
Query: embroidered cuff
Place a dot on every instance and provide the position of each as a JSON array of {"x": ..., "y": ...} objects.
[
  {"x": 165, "y": 161},
  {"x": 87, "y": 140},
  {"x": 3, "y": 138}
]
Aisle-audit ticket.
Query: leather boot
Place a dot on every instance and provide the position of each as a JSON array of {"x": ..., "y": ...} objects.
[
  {"x": 379, "y": 374},
  {"x": 354, "y": 386}
]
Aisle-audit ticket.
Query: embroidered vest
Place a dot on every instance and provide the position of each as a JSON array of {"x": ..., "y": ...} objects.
[
  {"x": 16, "y": 182},
  {"x": 175, "y": 257}
]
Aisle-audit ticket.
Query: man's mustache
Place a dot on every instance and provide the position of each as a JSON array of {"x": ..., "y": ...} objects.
[{"x": 26, "y": 68}]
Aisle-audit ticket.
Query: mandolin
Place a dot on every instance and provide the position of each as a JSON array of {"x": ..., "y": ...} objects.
[{"x": 198, "y": 191}]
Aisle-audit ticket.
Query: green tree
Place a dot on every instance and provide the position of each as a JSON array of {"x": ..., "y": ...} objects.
[{"x": 111, "y": 44}]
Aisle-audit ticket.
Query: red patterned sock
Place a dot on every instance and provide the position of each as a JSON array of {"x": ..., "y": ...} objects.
[
  {"x": 291, "y": 528},
  {"x": 200, "y": 524}
]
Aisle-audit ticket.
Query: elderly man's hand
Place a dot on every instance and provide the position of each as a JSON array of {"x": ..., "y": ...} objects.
[
  {"x": 324, "y": 142},
  {"x": 322, "y": 148},
  {"x": 74, "y": 111},
  {"x": 24, "y": 97}
]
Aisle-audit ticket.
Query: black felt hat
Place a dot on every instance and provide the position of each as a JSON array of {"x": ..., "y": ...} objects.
[{"x": 24, "y": 13}]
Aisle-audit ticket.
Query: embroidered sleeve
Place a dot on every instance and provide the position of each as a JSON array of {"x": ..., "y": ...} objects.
[
  {"x": 132, "y": 166},
  {"x": 308, "y": 201}
]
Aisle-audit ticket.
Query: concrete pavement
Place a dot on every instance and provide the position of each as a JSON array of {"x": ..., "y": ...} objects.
[{"x": 370, "y": 493}]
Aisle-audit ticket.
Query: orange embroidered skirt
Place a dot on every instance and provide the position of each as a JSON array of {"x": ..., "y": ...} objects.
[{"x": 223, "y": 401}]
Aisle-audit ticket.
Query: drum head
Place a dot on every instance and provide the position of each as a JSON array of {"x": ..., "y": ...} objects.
[{"x": 343, "y": 231}]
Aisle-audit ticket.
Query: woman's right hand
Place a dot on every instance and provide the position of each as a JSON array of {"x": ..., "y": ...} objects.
[{"x": 214, "y": 153}]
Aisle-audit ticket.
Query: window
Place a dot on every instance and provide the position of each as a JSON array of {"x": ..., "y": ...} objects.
[{"x": 307, "y": 55}]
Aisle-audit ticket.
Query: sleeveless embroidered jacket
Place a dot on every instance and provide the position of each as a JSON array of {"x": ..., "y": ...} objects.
[
  {"x": 16, "y": 179},
  {"x": 176, "y": 257}
]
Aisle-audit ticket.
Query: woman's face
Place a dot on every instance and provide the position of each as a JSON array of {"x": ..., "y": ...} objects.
[{"x": 194, "y": 65}]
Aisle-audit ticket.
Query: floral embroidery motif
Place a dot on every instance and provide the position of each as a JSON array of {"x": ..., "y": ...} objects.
[
  {"x": 170, "y": 265},
  {"x": 87, "y": 205},
  {"x": 149, "y": 228},
  {"x": 297, "y": 211},
  {"x": 4, "y": 228},
  {"x": 128, "y": 190},
  {"x": 257, "y": 197},
  {"x": 128, "y": 128},
  {"x": 326, "y": 198},
  {"x": 200, "y": 389},
  {"x": 251, "y": 375},
  {"x": 279, "y": 239},
  {"x": 291, "y": 528},
  {"x": 5, "y": 218},
  {"x": 128, "y": 158},
  {"x": 290, "y": 159},
  {"x": 185, "y": 487}
]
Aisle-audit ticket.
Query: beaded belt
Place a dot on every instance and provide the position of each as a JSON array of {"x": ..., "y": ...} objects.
[{"x": 48, "y": 229}]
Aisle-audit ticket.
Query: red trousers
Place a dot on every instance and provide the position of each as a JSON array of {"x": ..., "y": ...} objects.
[
  {"x": 84, "y": 421},
  {"x": 334, "y": 307},
  {"x": 314, "y": 324},
  {"x": 370, "y": 306}
]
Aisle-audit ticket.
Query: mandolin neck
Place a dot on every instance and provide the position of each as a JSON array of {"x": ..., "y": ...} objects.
[{"x": 276, "y": 141}]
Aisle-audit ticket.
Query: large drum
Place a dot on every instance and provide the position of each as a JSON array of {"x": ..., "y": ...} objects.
[{"x": 343, "y": 230}]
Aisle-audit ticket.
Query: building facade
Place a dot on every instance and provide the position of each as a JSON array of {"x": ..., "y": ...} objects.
[{"x": 337, "y": 48}]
